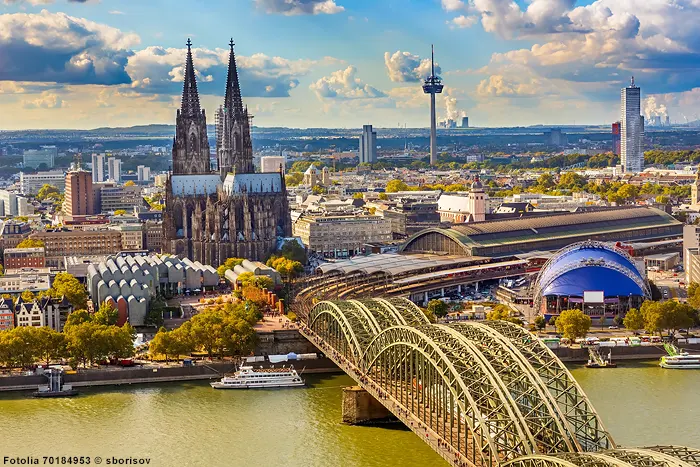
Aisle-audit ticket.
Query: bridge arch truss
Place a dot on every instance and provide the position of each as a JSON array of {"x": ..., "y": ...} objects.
[{"x": 490, "y": 390}]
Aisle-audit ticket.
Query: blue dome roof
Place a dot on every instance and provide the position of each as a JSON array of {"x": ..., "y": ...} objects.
[{"x": 591, "y": 267}]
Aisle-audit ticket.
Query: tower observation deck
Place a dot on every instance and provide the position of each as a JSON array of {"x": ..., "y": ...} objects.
[{"x": 433, "y": 85}]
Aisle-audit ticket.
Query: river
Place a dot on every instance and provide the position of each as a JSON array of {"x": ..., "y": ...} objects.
[{"x": 190, "y": 424}]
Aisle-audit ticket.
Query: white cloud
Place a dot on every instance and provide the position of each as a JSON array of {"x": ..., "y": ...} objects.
[
  {"x": 405, "y": 67},
  {"x": 160, "y": 70},
  {"x": 299, "y": 7},
  {"x": 463, "y": 21},
  {"x": 499, "y": 86},
  {"x": 61, "y": 48},
  {"x": 344, "y": 84},
  {"x": 47, "y": 100}
]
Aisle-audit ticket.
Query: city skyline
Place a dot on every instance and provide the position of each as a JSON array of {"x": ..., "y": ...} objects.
[{"x": 504, "y": 63}]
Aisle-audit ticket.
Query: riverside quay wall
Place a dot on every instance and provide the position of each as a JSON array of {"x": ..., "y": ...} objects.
[
  {"x": 577, "y": 355},
  {"x": 116, "y": 376}
]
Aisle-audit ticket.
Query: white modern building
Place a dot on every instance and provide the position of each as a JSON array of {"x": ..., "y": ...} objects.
[
  {"x": 30, "y": 184},
  {"x": 460, "y": 208},
  {"x": 114, "y": 169},
  {"x": 272, "y": 163},
  {"x": 632, "y": 130},
  {"x": 13, "y": 205},
  {"x": 98, "y": 168},
  {"x": 33, "y": 158},
  {"x": 143, "y": 173},
  {"x": 368, "y": 145}
]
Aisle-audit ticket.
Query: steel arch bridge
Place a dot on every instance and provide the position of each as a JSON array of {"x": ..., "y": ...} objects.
[{"x": 481, "y": 393}]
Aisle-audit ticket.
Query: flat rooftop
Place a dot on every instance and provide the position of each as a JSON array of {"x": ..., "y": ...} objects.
[{"x": 395, "y": 263}]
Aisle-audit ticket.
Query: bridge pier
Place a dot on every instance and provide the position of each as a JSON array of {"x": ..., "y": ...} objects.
[{"x": 359, "y": 407}]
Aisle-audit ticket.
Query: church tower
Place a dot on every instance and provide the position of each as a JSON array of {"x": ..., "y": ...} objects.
[
  {"x": 191, "y": 145},
  {"x": 234, "y": 146},
  {"x": 695, "y": 191}
]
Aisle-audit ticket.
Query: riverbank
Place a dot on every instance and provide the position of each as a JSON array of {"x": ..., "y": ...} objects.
[
  {"x": 155, "y": 374},
  {"x": 580, "y": 355}
]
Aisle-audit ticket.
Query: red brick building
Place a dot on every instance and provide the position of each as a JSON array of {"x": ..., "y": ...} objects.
[{"x": 17, "y": 258}]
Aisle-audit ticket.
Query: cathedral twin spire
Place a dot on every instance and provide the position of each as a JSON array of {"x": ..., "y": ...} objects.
[
  {"x": 190, "y": 96},
  {"x": 233, "y": 143},
  {"x": 233, "y": 101}
]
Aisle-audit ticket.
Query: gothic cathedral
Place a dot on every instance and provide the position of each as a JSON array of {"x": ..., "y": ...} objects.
[{"x": 234, "y": 212}]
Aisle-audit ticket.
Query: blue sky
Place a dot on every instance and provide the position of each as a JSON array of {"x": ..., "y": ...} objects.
[{"x": 342, "y": 63}]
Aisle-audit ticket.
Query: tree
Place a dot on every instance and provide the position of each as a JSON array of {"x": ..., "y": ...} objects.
[
  {"x": 163, "y": 343},
  {"x": 289, "y": 269},
  {"x": 292, "y": 250},
  {"x": 156, "y": 307},
  {"x": 77, "y": 317},
  {"x": 22, "y": 346},
  {"x": 130, "y": 183},
  {"x": 628, "y": 192},
  {"x": 540, "y": 323},
  {"x": 503, "y": 313},
  {"x": 47, "y": 191},
  {"x": 263, "y": 282},
  {"x": 107, "y": 314},
  {"x": 230, "y": 263},
  {"x": 293, "y": 179},
  {"x": 51, "y": 344},
  {"x": 571, "y": 181},
  {"x": 120, "y": 212},
  {"x": 552, "y": 321},
  {"x": 634, "y": 320},
  {"x": 357, "y": 196},
  {"x": 430, "y": 315},
  {"x": 66, "y": 284},
  {"x": 438, "y": 308},
  {"x": 396, "y": 185},
  {"x": 27, "y": 296},
  {"x": 383, "y": 196},
  {"x": 662, "y": 199},
  {"x": 546, "y": 181},
  {"x": 30, "y": 243},
  {"x": 573, "y": 324},
  {"x": 319, "y": 190}
]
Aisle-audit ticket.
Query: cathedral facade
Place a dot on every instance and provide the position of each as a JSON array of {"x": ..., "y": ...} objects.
[{"x": 211, "y": 215}]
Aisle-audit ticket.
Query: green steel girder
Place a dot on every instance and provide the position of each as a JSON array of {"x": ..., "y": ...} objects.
[
  {"x": 540, "y": 411},
  {"x": 491, "y": 389},
  {"x": 472, "y": 382},
  {"x": 386, "y": 315},
  {"x": 539, "y": 460},
  {"x": 413, "y": 315},
  {"x": 688, "y": 455},
  {"x": 341, "y": 329},
  {"x": 639, "y": 457},
  {"x": 580, "y": 414}
]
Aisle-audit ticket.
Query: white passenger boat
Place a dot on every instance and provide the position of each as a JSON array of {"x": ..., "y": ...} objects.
[
  {"x": 681, "y": 361},
  {"x": 250, "y": 378}
]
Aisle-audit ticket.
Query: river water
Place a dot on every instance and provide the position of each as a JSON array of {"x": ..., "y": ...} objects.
[{"x": 190, "y": 424}]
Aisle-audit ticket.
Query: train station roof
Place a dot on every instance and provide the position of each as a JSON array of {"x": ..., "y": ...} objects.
[{"x": 394, "y": 263}]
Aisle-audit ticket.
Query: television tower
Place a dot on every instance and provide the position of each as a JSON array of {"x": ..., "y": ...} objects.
[{"x": 433, "y": 85}]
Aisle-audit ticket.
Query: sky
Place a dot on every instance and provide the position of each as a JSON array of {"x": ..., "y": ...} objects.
[{"x": 344, "y": 63}]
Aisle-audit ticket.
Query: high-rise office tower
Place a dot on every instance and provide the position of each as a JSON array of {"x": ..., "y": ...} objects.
[
  {"x": 631, "y": 129},
  {"x": 98, "y": 168},
  {"x": 143, "y": 173},
  {"x": 79, "y": 199},
  {"x": 433, "y": 85},
  {"x": 368, "y": 145},
  {"x": 616, "y": 142},
  {"x": 114, "y": 169}
]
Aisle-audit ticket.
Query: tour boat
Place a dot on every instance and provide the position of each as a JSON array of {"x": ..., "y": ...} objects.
[
  {"x": 682, "y": 361},
  {"x": 249, "y": 378}
]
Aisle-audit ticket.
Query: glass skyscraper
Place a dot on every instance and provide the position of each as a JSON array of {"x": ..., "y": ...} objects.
[{"x": 632, "y": 130}]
